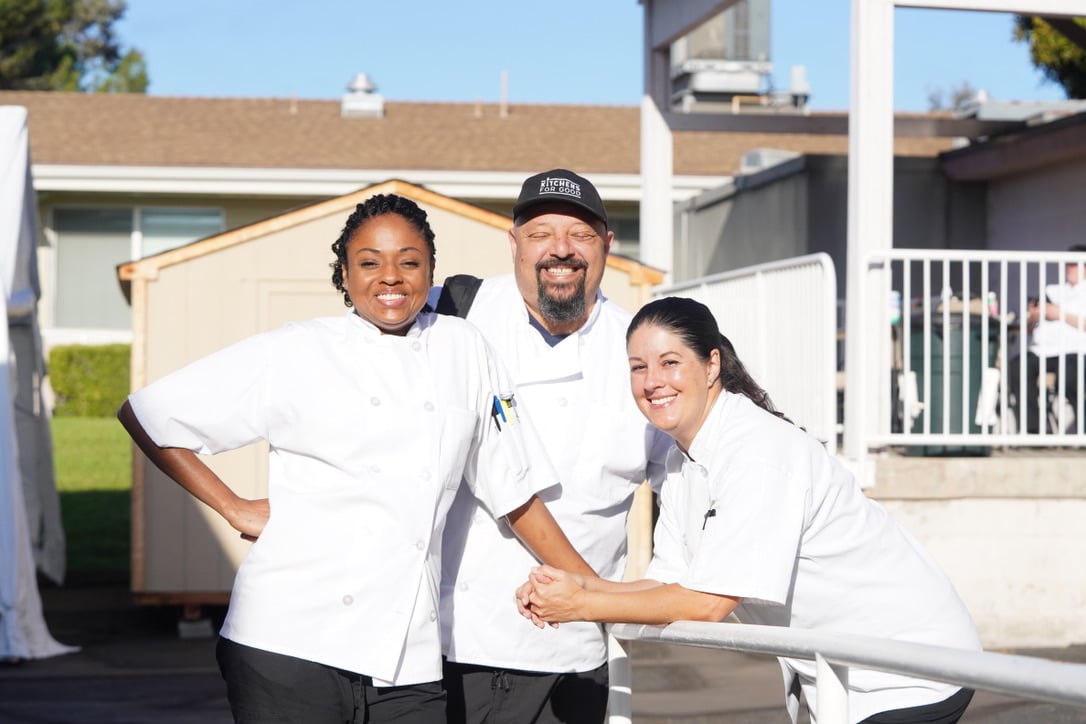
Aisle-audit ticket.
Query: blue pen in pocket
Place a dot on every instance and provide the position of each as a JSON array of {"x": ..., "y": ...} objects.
[{"x": 503, "y": 411}]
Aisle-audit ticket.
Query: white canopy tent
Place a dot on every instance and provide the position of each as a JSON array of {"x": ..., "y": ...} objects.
[{"x": 29, "y": 510}]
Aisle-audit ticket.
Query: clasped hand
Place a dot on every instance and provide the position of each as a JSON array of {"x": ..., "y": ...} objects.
[{"x": 551, "y": 596}]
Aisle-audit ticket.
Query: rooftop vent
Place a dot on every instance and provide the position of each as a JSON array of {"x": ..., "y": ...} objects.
[{"x": 361, "y": 99}]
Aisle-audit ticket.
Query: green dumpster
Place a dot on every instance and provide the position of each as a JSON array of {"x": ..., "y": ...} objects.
[{"x": 949, "y": 338}]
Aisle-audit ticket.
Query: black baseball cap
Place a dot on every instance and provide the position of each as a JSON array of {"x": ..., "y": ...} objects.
[{"x": 560, "y": 186}]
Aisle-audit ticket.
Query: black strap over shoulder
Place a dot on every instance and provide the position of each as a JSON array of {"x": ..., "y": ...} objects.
[{"x": 457, "y": 294}]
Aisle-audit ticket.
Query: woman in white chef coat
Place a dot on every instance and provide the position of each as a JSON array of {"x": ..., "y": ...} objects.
[
  {"x": 756, "y": 518},
  {"x": 372, "y": 420}
]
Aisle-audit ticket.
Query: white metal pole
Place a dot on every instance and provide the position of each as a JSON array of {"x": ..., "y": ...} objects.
[
  {"x": 656, "y": 157},
  {"x": 620, "y": 674},
  {"x": 832, "y": 696},
  {"x": 870, "y": 213}
]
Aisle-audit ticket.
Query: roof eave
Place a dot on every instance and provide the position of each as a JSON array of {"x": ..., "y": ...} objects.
[{"x": 321, "y": 183}]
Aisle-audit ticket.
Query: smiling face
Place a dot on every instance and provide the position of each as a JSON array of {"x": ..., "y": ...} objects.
[
  {"x": 674, "y": 388},
  {"x": 388, "y": 272},
  {"x": 559, "y": 255}
]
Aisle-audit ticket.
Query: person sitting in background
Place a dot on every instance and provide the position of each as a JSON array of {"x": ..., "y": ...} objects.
[
  {"x": 757, "y": 518},
  {"x": 1057, "y": 339}
]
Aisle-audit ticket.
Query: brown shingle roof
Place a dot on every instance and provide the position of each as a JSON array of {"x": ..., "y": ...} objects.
[{"x": 140, "y": 130}]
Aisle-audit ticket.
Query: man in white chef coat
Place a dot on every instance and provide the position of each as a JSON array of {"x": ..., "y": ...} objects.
[{"x": 565, "y": 346}]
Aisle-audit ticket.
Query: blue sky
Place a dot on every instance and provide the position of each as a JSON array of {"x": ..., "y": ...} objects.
[{"x": 561, "y": 51}]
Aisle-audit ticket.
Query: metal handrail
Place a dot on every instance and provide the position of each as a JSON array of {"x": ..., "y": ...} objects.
[{"x": 1026, "y": 677}]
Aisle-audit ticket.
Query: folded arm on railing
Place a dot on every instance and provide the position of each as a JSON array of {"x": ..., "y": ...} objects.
[{"x": 555, "y": 596}]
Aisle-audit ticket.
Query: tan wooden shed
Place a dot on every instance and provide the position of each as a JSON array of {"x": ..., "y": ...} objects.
[{"x": 193, "y": 300}]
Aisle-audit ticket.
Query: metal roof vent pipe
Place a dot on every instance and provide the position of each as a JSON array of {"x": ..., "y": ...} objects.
[{"x": 361, "y": 99}]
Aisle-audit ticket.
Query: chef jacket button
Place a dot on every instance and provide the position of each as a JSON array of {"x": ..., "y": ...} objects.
[
  {"x": 429, "y": 406},
  {"x": 375, "y": 469},
  {"x": 463, "y": 585},
  {"x": 375, "y": 401},
  {"x": 433, "y": 615},
  {"x": 425, "y": 474},
  {"x": 416, "y": 346},
  {"x": 562, "y": 402},
  {"x": 348, "y": 600},
  {"x": 420, "y": 544}
]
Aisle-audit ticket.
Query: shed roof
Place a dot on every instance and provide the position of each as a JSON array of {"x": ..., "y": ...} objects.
[
  {"x": 149, "y": 266},
  {"x": 142, "y": 130}
]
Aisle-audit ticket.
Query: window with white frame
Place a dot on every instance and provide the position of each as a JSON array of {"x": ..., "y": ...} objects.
[
  {"x": 627, "y": 236},
  {"x": 91, "y": 242},
  {"x": 164, "y": 229}
]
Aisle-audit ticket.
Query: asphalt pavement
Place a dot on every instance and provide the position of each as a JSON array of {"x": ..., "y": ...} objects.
[{"x": 133, "y": 667}]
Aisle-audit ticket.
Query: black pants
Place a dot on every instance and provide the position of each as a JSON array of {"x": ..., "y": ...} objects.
[
  {"x": 478, "y": 694},
  {"x": 266, "y": 687},
  {"x": 1033, "y": 391},
  {"x": 947, "y": 711}
]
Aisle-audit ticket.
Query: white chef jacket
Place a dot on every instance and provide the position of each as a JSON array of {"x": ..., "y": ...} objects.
[
  {"x": 603, "y": 449},
  {"x": 369, "y": 435},
  {"x": 1055, "y": 337},
  {"x": 760, "y": 510}
]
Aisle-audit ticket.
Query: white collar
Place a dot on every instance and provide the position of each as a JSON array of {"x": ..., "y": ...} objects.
[
  {"x": 369, "y": 329},
  {"x": 707, "y": 439}
]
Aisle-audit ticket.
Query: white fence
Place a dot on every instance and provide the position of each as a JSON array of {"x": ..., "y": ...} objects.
[
  {"x": 947, "y": 370},
  {"x": 782, "y": 319},
  {"x": 957, "y": 326},
  {"x": 1021, "y": 676}
]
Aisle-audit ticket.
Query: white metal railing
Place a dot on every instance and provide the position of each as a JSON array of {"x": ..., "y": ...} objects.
[
  {"x": 782, "y": 319},
  {"x": 957, "y": 325},
  {"x": 1024, "y": 677}
]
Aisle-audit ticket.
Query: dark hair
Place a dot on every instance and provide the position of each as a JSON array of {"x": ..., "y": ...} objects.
[
  {"x": 1077, "y": 247},
  {"x": 694, "y": 324},
  {"x": 371, "y": 208}
]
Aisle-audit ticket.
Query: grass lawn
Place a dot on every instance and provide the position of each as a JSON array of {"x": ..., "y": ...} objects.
[{"x": 93, "y": 461}]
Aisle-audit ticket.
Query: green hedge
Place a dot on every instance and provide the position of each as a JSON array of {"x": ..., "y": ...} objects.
[{"x": 89, "y": 380}]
